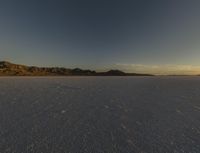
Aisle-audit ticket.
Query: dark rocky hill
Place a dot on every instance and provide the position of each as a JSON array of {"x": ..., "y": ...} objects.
[{"x": 10, "y": 69}]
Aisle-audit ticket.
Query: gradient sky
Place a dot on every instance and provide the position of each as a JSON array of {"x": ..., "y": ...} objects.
[{"x": 157, "y": 36}]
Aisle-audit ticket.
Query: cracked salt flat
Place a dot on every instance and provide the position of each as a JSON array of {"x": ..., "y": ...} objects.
[{"x": 99, "y": 114}]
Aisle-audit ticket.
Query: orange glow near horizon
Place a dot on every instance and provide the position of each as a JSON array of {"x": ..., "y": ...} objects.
[{"x": 161, "y": 69}]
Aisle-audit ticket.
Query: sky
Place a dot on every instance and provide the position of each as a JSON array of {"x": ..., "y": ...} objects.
[{"x": 154, "y": 36}]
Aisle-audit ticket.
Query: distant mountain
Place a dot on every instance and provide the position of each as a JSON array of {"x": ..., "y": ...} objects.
[
  {"x": 10, "y": 69},
  {"x": 112, "y": 73}
]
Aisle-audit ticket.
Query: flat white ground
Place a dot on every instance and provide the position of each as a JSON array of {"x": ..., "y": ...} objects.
[{"x": 99, "y": 114}]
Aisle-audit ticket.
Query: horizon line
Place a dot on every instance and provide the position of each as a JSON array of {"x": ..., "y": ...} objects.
[{"x": 167, "y": 69}]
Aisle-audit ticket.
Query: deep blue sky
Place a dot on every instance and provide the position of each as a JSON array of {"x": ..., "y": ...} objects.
[{"x": 101, "y": 34}]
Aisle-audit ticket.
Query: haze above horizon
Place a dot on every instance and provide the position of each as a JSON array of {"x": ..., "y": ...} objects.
[{"x": 142, "y": 36}]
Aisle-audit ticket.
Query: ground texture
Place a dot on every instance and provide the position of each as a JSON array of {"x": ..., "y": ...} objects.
[{"x": 100, "y": 115}]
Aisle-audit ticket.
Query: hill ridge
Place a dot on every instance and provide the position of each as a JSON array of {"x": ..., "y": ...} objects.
[{"x": 10, "y": 69}]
